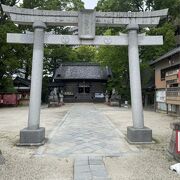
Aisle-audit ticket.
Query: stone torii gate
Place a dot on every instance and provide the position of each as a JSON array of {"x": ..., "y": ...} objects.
[{"x": 87, "y": 21}]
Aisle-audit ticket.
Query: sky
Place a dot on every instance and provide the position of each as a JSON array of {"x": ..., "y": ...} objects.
[{"x": 90, "y": 4}]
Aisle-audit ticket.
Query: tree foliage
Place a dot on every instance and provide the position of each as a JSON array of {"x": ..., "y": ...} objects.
[
  {"x": 13, "y": 57},
  {"x": 54, "y": 4},
  {"x": 86, "y": 53},
  {"x": 167, "y": 30},
  {"x": 9, "y": 54},
  {"x": 120, "y": 5},
  {"x": 172, "y": 5},
  {"x": 116, "y": 57},
  {"x": 3, "y": 16}
]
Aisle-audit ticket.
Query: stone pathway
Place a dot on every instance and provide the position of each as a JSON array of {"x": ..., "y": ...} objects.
[
  {"x": 86, "y": 135},
  {"x": 90, "y": 168}
]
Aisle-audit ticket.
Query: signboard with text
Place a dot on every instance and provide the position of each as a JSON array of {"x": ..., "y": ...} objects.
[{"x": 161, "y": 96}]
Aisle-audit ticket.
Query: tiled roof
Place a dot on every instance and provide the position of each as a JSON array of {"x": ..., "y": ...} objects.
[
  {"x": 82, "y": 71},
  {"x": 22, "y": 81},
  {"x": 168, "y": 54}
]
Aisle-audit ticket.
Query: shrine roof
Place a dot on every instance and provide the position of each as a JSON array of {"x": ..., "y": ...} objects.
[
  {"x": 70, "y": 71},
  {"x": 21, "y": 81}
]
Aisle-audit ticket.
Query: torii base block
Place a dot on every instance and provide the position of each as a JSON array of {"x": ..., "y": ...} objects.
[
  {"x": 139, "y": 135},
  {"x": 29, "y": 137}
]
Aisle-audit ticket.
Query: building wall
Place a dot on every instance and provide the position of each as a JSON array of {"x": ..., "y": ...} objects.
[
  {"x": 162, "y": 65},
  {"x": 98, "y": 87},
  {"x": 70, "y": 88},
  {"x": 160, "y": 84},
  {"x": 72, "y": 94}
]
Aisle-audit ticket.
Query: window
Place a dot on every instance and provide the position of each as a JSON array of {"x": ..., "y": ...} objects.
[
  {"x": 87, "y": 89},
  {"x": 80, "y": 89},
  {"x": 163, "y": 74},
  {"x": 84, "y": 89},
  {"x": 164, "y": 71}
]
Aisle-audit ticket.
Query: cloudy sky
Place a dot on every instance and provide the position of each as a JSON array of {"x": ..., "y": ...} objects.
[{"x": 90, "y": 4}]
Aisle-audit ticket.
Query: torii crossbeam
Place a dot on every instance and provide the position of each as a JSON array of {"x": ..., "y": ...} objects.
[
  {"x": 87, "y": 21},
  {"x": 121, "y": 40}
]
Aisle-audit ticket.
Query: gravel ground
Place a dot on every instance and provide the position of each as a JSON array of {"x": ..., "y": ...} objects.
[
  {"x": 146, "y": 166},
  {"x": 19, "y": 162},
  {"x": 152, "y": 163}
]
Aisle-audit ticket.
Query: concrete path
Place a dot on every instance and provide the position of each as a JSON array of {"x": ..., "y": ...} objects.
[
  {"x": 86, "y": 135},
  {"x": 85, "y": 131}
]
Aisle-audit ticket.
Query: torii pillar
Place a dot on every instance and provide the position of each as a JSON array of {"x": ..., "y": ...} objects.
[
  {"x": 136, "y": 133},
  {"x": 33, "y": 134}
]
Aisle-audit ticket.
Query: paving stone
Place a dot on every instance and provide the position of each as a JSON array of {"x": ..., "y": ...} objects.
[
  {"x": 94, "y": 170},
  {"x": 97, "y": 167},
  {"x": 83, "y": 176},
  {"x": 82, "y": 169},
  {"x": 81, "y": 163},
  {"x": 101, "y": 178},
  {"x": 86, "y": 131},
  {"x": 99, "y": 173},
  {"x": 96, "y": 162},
  {"x": 95, "y": 157}
]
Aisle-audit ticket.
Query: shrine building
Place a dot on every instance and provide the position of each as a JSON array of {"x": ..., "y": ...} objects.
[{"x": 81, "y": 82}]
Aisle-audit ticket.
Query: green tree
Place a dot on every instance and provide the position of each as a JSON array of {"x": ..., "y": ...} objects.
[
  {"x": 3, "y": 16},
  {"x": 16, "y": 56},
  {"x": 86, "y": 53},
  {"x": 167, "y": 30},
  {"x": 116, "y": 57},
  {"x": 172, "y": 5},
  {"x": 9, "y": 54},
  {"x": 63, "y": 5},
  {"x": 120, "y": 5},
  {"x": 54, "y": 55}
]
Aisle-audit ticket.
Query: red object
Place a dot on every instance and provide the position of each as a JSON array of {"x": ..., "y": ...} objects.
[
  {"x": 1, "y": 99},
  {"x": 8, "y": 99},
  {"x": 179, "y": 74},
  {"x": 177, "y": 142}
]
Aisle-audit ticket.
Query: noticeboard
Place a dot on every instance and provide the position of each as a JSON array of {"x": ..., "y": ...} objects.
[
  {"x": 178, "y": 141},
  {"x": 99, "y": 95},
  {"x": 161, "y": 96}
]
